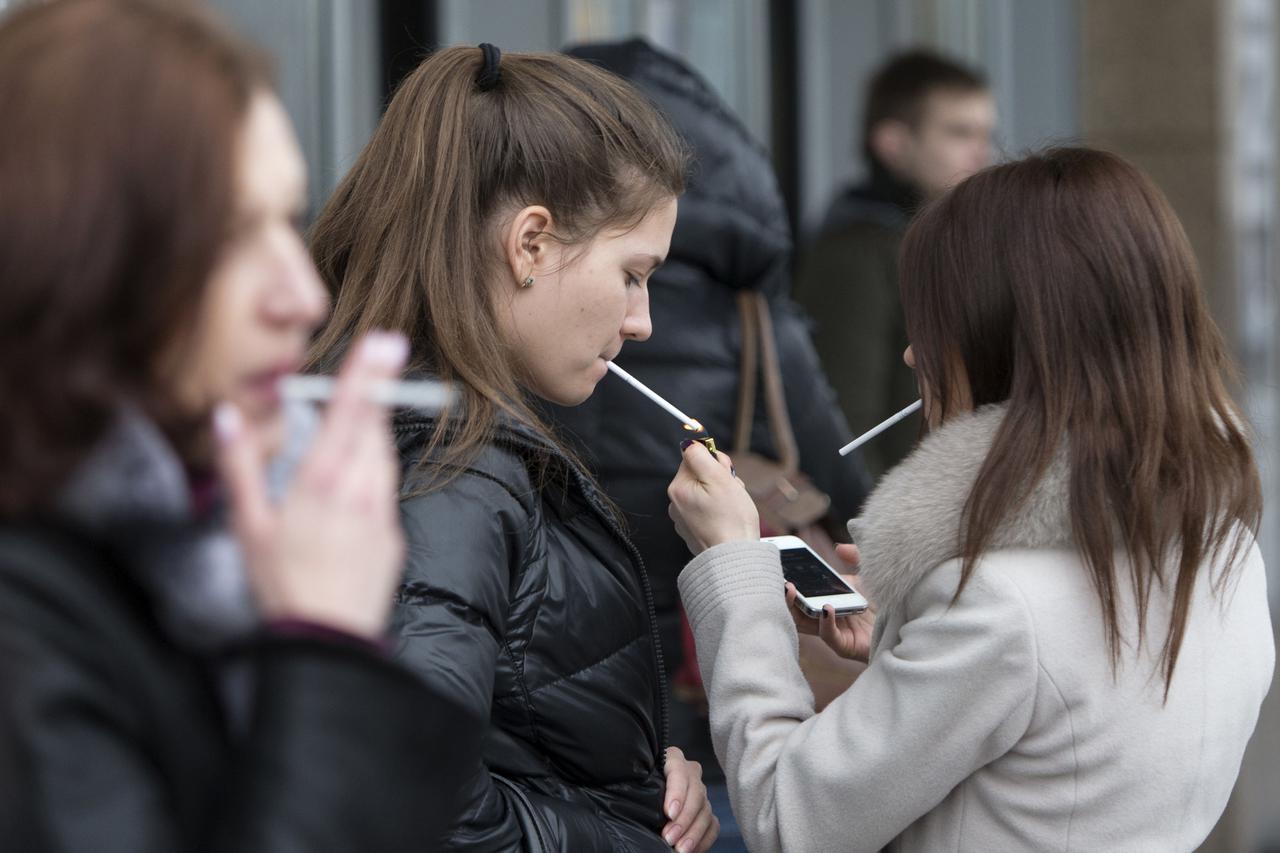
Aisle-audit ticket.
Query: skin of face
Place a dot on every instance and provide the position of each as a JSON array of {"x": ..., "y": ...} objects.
[
  {"x": 952, "y": 140},
  {"x": 264, "y": 297},
  {"x": 585, "y": 301}
]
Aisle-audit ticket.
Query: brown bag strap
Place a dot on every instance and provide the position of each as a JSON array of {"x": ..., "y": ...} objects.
[
  {"x": 748, "y": 367},
  {"x": 760, "y": 349},
  {"x": 775, "y": 398}
]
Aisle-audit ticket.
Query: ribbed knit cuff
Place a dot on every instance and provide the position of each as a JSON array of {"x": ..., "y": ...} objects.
[{"x": 729, "y": 571}]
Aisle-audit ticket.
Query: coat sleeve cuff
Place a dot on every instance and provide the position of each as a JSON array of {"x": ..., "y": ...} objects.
[{"x": 729, "y": 571}]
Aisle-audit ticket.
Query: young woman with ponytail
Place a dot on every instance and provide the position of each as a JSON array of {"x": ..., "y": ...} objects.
[{"x": 506, "y": 217}]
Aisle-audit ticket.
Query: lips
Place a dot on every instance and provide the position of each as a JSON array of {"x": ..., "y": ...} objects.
[{"x": 263, "y": 388}]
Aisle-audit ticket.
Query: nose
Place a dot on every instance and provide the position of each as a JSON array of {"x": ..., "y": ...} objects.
[
  {"x": 297, "y": 297},
  {"x": 637, "y": 326}
]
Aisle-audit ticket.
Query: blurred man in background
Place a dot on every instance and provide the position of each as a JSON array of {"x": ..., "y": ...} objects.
[{"x": 927, "y": 126}]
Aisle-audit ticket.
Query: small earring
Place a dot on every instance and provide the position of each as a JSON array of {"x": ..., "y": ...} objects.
[{"x": 528, "y": 282}]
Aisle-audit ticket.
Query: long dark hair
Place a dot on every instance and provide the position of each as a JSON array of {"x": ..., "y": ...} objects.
[
  {"x": 116, "y": 181},
  {"x": 1064, "y": 284},
  {"x": 406, "y": 240}
]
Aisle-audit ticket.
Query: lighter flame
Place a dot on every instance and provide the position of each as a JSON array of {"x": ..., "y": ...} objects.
[{"x": 695, "y": 426}]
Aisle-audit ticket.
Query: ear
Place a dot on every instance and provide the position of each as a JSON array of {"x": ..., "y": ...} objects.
[
  {"x": 527, "y": 242},
  {"x": 891, "y": 141}
]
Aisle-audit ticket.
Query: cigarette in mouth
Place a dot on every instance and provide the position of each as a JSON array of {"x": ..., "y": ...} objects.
[
  {"x": 879, "y": 428},
  {"x": 689, "y": 423}
]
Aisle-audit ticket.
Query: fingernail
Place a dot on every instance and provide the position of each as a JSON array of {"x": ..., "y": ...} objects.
[
  {"x": 672, "y": 834},
  {"x": 685, "y": 846},
  {"x": 684, "y": 445},
  {"x": 673, "y": 809},
  {"x": 227, "y": 422},
  {"x": 385, "y": 349}
]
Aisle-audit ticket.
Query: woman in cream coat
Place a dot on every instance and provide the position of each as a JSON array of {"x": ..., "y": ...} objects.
[{"x": 1072, "y": 639}]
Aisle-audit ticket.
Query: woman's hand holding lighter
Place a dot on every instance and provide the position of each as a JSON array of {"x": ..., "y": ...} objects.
[{"x": 709, "y": 505}]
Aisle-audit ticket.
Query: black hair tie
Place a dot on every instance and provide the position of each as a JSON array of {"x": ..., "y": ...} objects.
[{"x": 491, "y": 72}]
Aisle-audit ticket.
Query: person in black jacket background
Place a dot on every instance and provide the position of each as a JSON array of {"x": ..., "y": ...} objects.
[
  {"x": 927, "y": 125},
  {"x": 732, "y": 234},
  {"x": 167, "y": 685},
  {"x": 506, "y": 216}
]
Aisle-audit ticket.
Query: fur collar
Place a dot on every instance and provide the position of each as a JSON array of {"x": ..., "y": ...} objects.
[{"x": 911, "y": 522}]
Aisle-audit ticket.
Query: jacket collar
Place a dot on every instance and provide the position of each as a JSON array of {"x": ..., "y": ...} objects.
[
  {"x": 911, "y": 523},
  {"x": 886, "y": 187},
  {"x": 131, "y": 497},
  {"x": 882, "y": 199},
  {"x": 510, "y": 432},
  {"x": 557, "y": 475}
]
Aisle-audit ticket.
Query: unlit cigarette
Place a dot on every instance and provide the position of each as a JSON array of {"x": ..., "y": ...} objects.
[
  {"x": 645, "y": 390},
  {"x": 425, "y": 395},
  {"x": 879, "y": 428}
]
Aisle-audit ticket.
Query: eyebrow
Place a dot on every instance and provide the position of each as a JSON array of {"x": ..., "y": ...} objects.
[{"x": 654, "y": 261}]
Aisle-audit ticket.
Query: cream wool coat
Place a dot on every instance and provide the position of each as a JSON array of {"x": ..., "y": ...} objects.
[{"x": 995, "y": 724}]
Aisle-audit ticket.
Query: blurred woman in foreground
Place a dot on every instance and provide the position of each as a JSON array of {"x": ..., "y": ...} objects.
[{"x": 166, "y": 685}]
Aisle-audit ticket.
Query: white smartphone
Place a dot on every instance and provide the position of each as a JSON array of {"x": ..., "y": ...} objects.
[{"x": 817, "y": 584}]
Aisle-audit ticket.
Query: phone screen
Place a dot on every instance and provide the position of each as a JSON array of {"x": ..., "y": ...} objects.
[{"x": 811, "y": 577}]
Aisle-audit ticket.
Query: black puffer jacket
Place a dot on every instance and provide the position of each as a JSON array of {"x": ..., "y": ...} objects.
[
  {"x": 131, "y": 722},
  {"x": 524, "y": 599},
  {"x": 731, "y": 234}
]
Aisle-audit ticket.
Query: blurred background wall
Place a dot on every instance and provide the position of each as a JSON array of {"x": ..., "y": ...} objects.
[
  {"x": 329, "y": 69},
  {"x": 1186, "y": 89}
]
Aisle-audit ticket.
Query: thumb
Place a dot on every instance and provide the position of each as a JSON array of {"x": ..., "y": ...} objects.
[
  {"x": 677, "y": 782},
  {"x": 705, "y": 467},
  {"x": 849, "y": 554},
  {"x": 241, "y": 467}
]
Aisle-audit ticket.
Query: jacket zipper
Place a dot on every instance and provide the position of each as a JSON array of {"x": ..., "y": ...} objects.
[{"x": 655, "y": 640}]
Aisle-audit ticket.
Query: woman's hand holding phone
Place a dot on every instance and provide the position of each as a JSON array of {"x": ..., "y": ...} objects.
[
  {"x": 331, "y": 551},
  {"x": 847, "y": 636},
  {"x": 709, "y": 505}
]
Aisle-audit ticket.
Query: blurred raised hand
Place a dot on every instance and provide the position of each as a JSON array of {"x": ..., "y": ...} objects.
[{"x": 331, "y": 550}]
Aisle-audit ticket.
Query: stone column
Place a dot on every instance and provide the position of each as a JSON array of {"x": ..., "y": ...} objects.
[{"x": 1186, "y": 90}]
